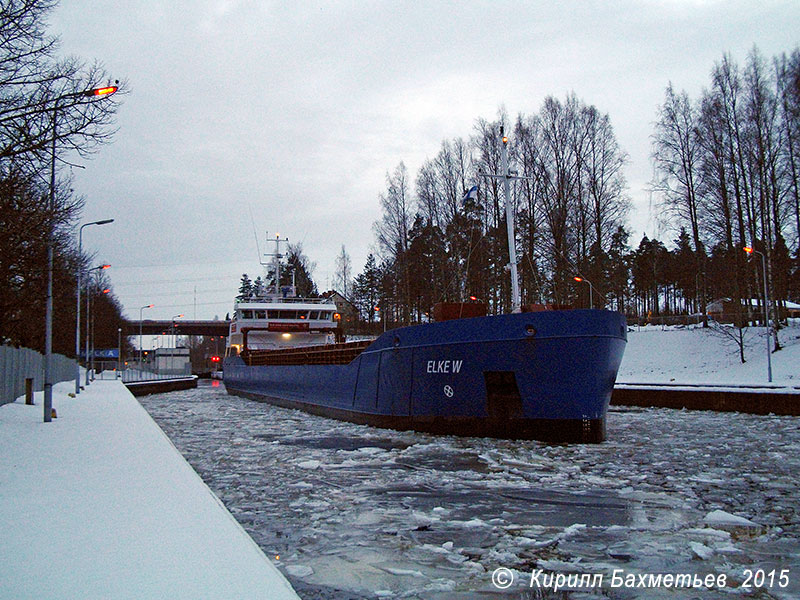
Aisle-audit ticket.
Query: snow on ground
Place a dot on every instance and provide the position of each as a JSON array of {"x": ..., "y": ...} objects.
[
  {"x": 99, "y": 504},
  {"x": 698, "y": 355}
]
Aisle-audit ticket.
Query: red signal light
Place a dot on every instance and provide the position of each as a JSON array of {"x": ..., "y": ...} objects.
[{"x": 215, "y": 359}]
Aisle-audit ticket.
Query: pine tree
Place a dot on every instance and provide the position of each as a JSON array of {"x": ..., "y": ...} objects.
[
  {"x": 245, "y": 288},
  {"x": 299, "y": 265},
  {"x": 257, "y": 290},
  {"x": 366, "y": 289}
]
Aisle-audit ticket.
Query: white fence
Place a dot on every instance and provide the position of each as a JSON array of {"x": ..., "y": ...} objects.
[{"x": 19, "y": 364}]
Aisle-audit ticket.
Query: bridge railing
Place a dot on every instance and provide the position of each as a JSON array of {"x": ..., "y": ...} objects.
[{"x": 131, "y": 375}]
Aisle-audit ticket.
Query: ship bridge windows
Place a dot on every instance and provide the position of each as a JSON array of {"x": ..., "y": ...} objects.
[
  {"x": 287, "y": 315},
  {"x": 282, "y": 314}
]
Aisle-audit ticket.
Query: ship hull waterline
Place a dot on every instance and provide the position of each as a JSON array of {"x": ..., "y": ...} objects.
[{"x": 546, "y": 376}]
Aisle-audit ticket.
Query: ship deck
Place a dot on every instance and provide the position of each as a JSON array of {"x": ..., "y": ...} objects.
[{"x": 327, "y": 354}]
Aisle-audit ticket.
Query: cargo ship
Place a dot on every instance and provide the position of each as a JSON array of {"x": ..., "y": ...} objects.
[
  {"x": 539, "y": 375},
  {"x": 545, "y": 375}
]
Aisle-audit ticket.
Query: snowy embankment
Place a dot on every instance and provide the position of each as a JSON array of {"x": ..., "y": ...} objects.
[
  {"x": 697, "y": 355},
  {"x": 100, "y": 504}
]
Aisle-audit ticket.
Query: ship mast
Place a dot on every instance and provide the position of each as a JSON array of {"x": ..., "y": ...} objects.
[
  {"x": 276, "y": 262},
  {"x": 507, "y": 176}
]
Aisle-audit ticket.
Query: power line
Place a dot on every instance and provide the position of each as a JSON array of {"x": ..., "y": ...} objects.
[
  {"x": 178, "y": 293},
  {"x": 185, "y": 280}
]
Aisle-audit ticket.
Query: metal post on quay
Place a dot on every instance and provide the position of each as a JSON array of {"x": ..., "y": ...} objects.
[
  {"x": 78, "y": 304},
  {"x": 48, "y": 318},
  {"x": 87, "y": 358},
  {"x": 751, "y": 250}
]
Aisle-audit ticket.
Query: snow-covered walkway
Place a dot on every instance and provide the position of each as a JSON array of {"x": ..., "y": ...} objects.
[{"x": 100, "y": 504}]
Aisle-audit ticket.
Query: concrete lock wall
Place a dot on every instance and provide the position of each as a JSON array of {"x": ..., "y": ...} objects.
[{"x": 18, "y": 364}]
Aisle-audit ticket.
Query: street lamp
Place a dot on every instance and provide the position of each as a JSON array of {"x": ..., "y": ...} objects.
[
  {"x": 78, "y": 305},
  {"x": 174, "y": 343},
  {"x": 591, "y": 288},
  {"x": 48, "y": 318},
  {"x": 94, "y": 349},
  {"x": 88, "y": 322},
  {"x": 750, "y": 250},
  {"x": 174, "y": 336},
  {"x": 141, "y": 358},
  {"x": 119, "y": 351}
]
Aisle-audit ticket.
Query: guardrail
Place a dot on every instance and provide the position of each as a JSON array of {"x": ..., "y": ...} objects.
[
  {"x": 752, "y": 399},
  {"x": 19, "y": 364}
]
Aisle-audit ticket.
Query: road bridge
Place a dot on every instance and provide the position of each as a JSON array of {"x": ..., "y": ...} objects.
[{"x": 182, "y": 327}]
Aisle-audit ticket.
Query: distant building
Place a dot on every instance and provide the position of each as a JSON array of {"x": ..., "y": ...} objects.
[
  {"x": 172, "y": 361},
  {"x": 723, "y": 310},
  {"x": 346, "y": 309}
]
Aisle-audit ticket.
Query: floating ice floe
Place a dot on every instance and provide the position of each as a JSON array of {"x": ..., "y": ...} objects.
[
  {"x": 404, "y": 572},
  {"x": 309, "y": 464},
  {"x": 719, "y": 519},
  {"x": 299, "y": 570},
  {"x": 701, "y": 551}
]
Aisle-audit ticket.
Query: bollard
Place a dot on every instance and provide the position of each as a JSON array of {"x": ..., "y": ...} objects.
[{"x": 29, "y": 391}]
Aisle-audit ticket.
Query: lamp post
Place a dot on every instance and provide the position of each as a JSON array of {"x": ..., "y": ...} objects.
[
  {"x": 141, "y": 348},
  {"x": 591, "y": 288},
  {"x": 174, "y": 336},
  {"x": 750, "y": 250},
  {"x": 48, "y": 318},
  {"x": 78, "y": 305},
  {"x": 94, "y": 350},
  {"x": 119, "y": 351},
  {"x": 88, "y": 323},
  {"x": 174, "y": 343}
]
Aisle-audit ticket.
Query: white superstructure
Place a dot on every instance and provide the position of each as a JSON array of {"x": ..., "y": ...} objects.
[{"x": 277, "y": 318}]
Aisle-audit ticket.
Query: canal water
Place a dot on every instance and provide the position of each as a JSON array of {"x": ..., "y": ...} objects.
[{"x": 349, "y": 511}]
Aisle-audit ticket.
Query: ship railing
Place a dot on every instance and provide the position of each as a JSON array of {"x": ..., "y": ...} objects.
[
  {"x": 281, "y": 300},
  {"x": 330, "y": 354}
]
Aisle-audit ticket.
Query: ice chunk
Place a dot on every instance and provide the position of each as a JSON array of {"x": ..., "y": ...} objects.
[
  {"x": 719, "y": 519},
  {"x": 422, "y": 520},
  {"x": 407, "y": 572},
  {"x": 701, "y": 551},
  {"x": 299, "y": 570}
]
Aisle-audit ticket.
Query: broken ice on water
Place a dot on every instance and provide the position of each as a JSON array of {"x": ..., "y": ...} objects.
[{"x": 353, "y": 511}]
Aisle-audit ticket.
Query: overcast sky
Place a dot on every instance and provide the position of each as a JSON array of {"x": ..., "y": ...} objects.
[{"x": 247, "y": 117}]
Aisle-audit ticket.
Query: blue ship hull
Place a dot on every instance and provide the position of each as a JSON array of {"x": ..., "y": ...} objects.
[{"x": 545, "y": 375}]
